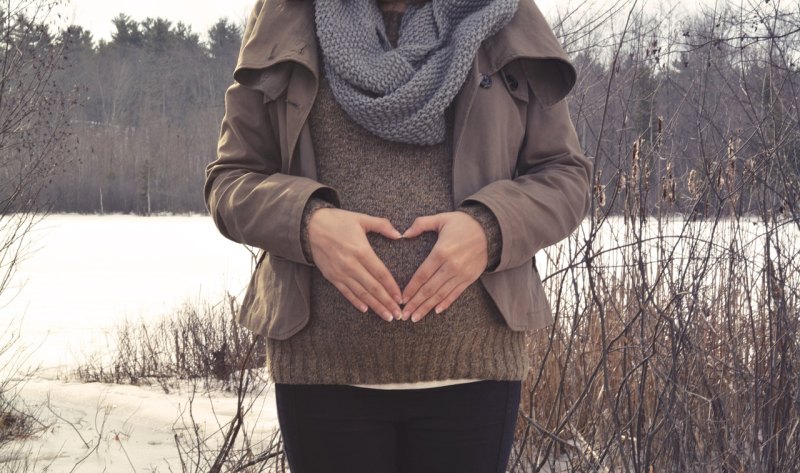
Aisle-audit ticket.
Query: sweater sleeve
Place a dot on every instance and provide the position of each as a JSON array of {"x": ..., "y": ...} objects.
[
  {"x": 491, "y": 227},
  {"x": 314, "y": 203}
]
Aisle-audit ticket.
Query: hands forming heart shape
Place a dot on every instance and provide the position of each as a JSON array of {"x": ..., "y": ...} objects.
[{"x": 344, "y": 256}]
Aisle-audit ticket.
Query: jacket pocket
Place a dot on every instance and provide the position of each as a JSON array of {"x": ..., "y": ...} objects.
[
  {"x": 276, "y": 303},
  {"x": 519, "y": 295}
]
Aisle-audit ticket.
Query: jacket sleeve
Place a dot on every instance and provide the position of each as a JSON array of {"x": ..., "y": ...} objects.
[
  {"x": 249, "y": 199},
  {"x": 550, "y": 195}
]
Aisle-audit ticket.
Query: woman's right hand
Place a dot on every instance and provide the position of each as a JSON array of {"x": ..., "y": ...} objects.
[{"x": 342, "y": 253}]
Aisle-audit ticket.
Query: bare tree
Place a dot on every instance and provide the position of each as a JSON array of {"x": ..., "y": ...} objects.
[
  {"x": 675, "y": 345},
  {"x": 33, "y": 145}
]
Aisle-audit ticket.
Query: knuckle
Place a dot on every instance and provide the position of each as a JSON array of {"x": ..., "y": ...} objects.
[
  {"x": 446, "y": 252},
  {"x": 373, "y": 288},
  {"x": 454, "y": 267},
  {"x": 347, "y": 251}
]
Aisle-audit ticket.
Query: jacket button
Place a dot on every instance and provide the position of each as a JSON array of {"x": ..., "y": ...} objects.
[
  {"x": 486, "y": 81},
  {"x": 512, "y": 82}
]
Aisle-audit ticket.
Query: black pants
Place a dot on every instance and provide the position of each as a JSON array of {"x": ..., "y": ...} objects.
[{"x": 461, "y": 428}]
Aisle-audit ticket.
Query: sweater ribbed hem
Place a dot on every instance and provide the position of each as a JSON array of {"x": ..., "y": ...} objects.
[{"x": 494, "y": 352}]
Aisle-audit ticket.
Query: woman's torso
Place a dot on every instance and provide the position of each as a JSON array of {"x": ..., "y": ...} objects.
[{"x": 341, "y": 345}]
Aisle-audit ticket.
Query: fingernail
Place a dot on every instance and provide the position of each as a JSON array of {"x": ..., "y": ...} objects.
[
  {"x": 438, "y": 310},
  {"x": 398, "y": 234},
  {"x": 388, "y": 316},
  {"x": 363, "y": 308},
  {"x": 397, "y": 315},
  {"x": 415, "y": 318},
  {"x": 405, "y": 315}
]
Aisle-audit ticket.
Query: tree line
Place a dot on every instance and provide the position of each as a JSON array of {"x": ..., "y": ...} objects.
[
  {"x": 698, "y": 100},
  {"x": 687, "y": 111},
  {"x": 145, "y": 112}
]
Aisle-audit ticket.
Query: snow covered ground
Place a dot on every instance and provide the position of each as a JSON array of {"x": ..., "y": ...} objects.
[
  {"x": 131, "y": 427},
  {"x": 82, "y": 275}
]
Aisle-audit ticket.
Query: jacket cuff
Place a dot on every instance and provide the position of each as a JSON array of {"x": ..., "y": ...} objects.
[
  {"x": 314, "y": 203},
  {"x": 491, "y": 228}
]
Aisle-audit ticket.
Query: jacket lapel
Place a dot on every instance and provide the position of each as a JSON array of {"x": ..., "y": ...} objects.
[
  {"x": 277, "y": 31},
  {"x": 279, "y": 53}
]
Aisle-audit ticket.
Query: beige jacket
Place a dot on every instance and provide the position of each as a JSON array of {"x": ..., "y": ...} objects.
[{"x": 515, "y": 151}]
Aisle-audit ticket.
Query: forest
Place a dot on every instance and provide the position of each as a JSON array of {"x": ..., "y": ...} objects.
[
  {"x": 136, "y": 117},
  {"x": 696, "y": 98}
]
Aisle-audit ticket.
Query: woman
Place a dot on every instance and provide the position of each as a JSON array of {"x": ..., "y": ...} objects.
[{"x": 398, "y": 166}]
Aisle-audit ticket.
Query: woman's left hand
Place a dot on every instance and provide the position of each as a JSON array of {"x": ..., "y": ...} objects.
[{"x": 458, "y": 258}]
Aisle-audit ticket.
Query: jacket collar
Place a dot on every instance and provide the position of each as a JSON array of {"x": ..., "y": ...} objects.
[
  {"x": 279, "y": 31},
  {"x": 528, "y": 35}
]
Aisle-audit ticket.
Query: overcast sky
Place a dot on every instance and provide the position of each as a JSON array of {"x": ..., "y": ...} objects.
[{"x": 96, "y": 15}]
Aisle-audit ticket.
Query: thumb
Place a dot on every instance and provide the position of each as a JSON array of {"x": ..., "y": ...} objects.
[
  {"x": 426, "y": 223},
  {"x": 380, "y": 225}
]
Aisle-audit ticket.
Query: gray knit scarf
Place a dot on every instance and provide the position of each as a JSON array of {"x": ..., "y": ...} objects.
[{"x": 400, "y": 94}]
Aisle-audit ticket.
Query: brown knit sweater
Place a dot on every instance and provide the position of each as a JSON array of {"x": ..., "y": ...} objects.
[{"x": 340, "y": 344}]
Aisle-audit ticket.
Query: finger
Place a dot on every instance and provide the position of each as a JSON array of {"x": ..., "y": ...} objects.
[
  {"x": 425, "y": 271},
  {"x": 426, "y": 223},
  {"x": 350, "y": 296},
  {"x": 370, "y": 289},
  {"x": 424, "y": 308},
  {"x": 428, "y": 290},
  {"x": 379, "y": 225},
  {"x": 381, "y": 273},
  {"x": 363, "y": 293},
  {"x": 451, "y": 297}
]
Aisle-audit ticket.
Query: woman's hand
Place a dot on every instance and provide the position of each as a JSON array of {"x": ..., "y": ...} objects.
[
  {"x": 458, "y": 258},
  {"x": 338, "y": 240}
]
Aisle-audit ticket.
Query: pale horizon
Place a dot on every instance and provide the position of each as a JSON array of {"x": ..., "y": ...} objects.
[{"x": 200, "y": 15}]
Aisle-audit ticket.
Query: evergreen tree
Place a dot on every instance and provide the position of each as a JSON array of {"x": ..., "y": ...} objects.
[
  {"x": 127, "y": 32},
  {"x": 224, "y": 39},
  {"x": 158, "y": 35}
]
